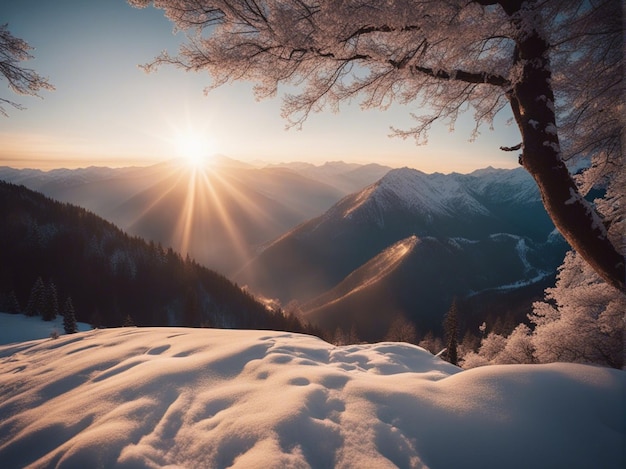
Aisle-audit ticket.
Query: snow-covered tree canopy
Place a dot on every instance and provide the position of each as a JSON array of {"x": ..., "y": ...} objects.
[
  {"x": 21, "y": 80},
  {"x": 557, "y": 63}
]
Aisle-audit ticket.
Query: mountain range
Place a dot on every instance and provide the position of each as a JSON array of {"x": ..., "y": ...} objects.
[
  {"x": 109, "y": 275},
  {"x": 341, "y": 244},
  {"x": 408, "y": 245},
  {"x": 219, "y": 214}
]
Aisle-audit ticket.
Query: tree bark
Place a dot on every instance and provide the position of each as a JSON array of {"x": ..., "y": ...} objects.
[{"x": 532, "y": 102}]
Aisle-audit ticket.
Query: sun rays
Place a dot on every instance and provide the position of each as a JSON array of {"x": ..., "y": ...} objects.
[
  {"x": 214, "y": 217},
  {"x": 200, "y": 206}
]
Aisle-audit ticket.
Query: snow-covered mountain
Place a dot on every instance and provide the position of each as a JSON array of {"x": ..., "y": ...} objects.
[
  {"x": 318, "y": 254},
  {"x": 39, "y": 180},
  {"x": 175, "y": 397},
  {"x": 498, "y": 198},
  {"x": 413, "y": 191}
]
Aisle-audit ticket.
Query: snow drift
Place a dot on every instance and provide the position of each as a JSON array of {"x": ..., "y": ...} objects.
[{"x": 155, "y": 397}]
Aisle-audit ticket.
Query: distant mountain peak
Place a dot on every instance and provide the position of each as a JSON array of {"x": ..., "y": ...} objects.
[{"x": 418, "y": 192}]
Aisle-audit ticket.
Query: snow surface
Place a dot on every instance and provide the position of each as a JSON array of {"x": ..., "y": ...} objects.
[
  {"x": 443, "y": 194},
  {"x": 155, "y": 397},
  {"x": 20, "y": 328},
  {"x": 419, "y": 192}
]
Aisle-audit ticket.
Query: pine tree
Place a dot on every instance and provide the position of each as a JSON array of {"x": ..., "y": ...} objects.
[
  {"x": 13, "y": 305},
  {"x": 192, "y": 312},
  {"x": 51, "y": 303},
  {"x": 451, "y": 332},
  {"x": 69, "y": 317},
  {"x": 36, "y": 299},
  {"x": 96, "y": 319},
  {"x": 9, "y": 303}
]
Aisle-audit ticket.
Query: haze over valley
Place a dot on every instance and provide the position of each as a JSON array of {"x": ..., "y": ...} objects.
[
  {"x": 340, "y": 245},
  {"x": 219, "y": 214}
]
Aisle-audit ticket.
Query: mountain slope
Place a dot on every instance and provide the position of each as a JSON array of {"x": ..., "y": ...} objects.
[
  {"x": 109, "y": 274},
  {"x": 418, "y": 278},
  {"x": 318, "y": 254},
  {"x": 229, "y": 208}
]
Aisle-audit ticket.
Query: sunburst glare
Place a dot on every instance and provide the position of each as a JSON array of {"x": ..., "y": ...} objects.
[
  {"x": 195, "y": 150},
  {"x": 205, "y": 218},
  {"x": 201, "y": 207}
]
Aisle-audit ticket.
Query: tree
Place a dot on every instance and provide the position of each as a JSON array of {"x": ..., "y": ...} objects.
[
  {"x": 96, "y": 319},
  {"x": 432, "y": 343},
  {"x": 519, "y": 347},
  {"x": 10, "y": 303},
  {"x": 451, "y": 333},
  {"x": 582, "y": 319},
  {"x": 401, "y": 330},
  {"x": 69, "y": 317},
  {"x": 192, "y": 310},
  {"x": 21, "y": 80},
  {"x": 469, "y": 343},
  {"x": 556, "y": 63},
  {"x": 36, "y": 299},
  {"x": 51, "y": 302},
  {"x": 491, "y": 348},
  {"x": 339, "y": 337},
  {"x": 128, "y": 321}
]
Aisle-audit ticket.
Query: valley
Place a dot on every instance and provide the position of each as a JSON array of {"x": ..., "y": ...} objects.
[{"x": 339, "y": 245}]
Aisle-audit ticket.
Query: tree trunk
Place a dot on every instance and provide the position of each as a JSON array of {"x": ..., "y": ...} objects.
[{"x": 532, "y": 101}]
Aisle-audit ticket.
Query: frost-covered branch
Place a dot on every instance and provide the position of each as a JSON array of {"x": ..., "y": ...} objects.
[
  {"x": 21, "y": 80},
  {"x": 460, "y": 75}
]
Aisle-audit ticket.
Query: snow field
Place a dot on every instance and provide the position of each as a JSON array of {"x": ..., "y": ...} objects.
[{"x": 155, "y": 397}]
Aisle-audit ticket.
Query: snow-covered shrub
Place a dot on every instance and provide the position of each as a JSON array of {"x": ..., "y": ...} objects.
[{"x": 582, "y": 319}]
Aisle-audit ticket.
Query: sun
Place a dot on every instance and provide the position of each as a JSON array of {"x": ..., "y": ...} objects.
[{"x": 194, "y": 150}]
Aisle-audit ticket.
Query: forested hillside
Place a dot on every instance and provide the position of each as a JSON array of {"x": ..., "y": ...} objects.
[{"x": 51, "y": 251}]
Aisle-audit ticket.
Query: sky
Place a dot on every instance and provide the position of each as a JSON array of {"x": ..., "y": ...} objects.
[{"x": 107, "y": 111}]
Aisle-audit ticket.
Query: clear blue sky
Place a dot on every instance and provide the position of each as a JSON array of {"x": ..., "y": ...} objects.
[{"x": 107, "y": 111}]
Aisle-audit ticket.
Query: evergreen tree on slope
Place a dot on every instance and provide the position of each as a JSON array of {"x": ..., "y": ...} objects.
[{"x": 69, "y": 317}]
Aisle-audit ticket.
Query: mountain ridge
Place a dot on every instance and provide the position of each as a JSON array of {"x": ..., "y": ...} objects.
[
  {"x": 110, "y": 275},
  {"x": 478, "y": 232},
  {"x": 239, "y": 207},
  {"x": 362, "y": 224}
]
